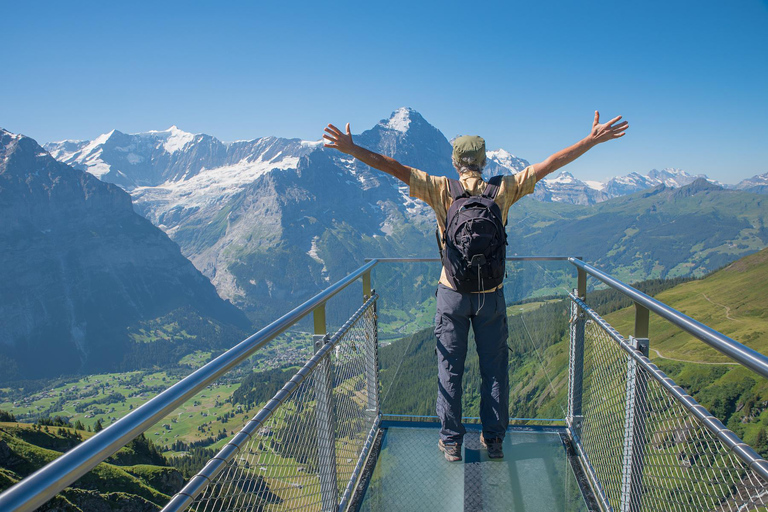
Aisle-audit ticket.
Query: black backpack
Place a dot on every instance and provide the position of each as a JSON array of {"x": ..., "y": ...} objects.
[{"x": 475, "y": 240}]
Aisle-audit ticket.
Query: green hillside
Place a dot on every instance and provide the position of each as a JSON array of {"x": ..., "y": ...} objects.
[
  {"x": 734, "y": 302},
  {"x": 656, "y": 233},
  {"x": 140, "y": 485}
]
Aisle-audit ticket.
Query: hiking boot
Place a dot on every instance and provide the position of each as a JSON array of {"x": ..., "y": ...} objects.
[
  {"x": 494, "y": 447},
  {"x": 452, "y": 451}
]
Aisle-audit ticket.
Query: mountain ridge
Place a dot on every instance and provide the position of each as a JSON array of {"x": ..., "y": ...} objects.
[
  {"x": 79, "y": 266},
  {"x": 90, "y": 156},
  {"x": 289, "y": 203}
]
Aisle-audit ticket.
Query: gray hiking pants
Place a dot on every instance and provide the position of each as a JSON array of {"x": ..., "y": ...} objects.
[{"x": 488, "y": 315}]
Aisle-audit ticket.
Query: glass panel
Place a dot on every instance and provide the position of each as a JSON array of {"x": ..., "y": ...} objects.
[{"x": 412, "y": 474}]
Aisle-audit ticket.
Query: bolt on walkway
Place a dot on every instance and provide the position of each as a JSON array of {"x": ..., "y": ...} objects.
[{"x": 412, "y": 474}]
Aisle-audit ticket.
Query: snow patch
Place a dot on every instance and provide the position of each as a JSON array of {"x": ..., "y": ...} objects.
[
  {"x": 312, "y": 253},
  {"x": 99, "y": 169},
  {"x": 177, "y": 139},
  {"x": 363, "y": 178},
  {"x": 412, "y": 206},
  {"x": 400, "y": 120},
  {"x": 596, "y": 185},
  {"x": 210, "y": 186},
  {"x": 562, "y": 178}
]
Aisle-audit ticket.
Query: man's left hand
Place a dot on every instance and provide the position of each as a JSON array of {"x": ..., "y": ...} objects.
[{"x": 607, "y": 131}]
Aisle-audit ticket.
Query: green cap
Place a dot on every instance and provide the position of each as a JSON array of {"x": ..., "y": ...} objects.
[{"x": 469, "y": 149}]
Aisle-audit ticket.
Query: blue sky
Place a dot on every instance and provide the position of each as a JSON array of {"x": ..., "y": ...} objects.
[{"x": 690, "y": 76}]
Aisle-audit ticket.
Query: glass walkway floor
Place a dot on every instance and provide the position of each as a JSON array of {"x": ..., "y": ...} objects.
[{"x": 412, "y": 474}]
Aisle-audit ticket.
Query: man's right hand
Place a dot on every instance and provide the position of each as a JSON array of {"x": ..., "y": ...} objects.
[
  {"x": 337, "y": 140},
  {"x": 343, "y": 142}
]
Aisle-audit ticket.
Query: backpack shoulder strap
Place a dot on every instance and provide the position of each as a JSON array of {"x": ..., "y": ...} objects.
[
  {"x": 493, "y": 187},
  {"x": 456, "y": 189}
]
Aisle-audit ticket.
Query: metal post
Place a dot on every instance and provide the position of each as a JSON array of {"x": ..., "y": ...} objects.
[
  {"x": 326, "y": 418},
  {"x": 634, "y": 430},
  {"x": 372, "y": 364},
  {"x": 366, "y": 285},
  {"x": 576, "y": 359},
  {"x": 642, "y": 322}
]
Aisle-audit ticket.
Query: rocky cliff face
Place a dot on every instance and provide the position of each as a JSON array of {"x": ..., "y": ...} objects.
[{"x": 79, "y": 266}]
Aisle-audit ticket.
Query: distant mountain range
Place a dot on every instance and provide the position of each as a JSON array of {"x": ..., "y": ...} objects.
[
  {"x": 271, "y": 221},
  {"x": 79, "y": 269},
  {"x": 161, "y": 158}
]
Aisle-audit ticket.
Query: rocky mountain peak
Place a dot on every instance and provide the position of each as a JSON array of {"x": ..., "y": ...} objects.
[
  {"x": 697, "y": 186},
  {"x": 401, "y": 119},
  {"x": 756, "y": 184},
  {"x": 562, "y": 178},
  {"x": 502, "y": 162},
  {"x": 407, "y": 137},
  {"x": 8, "y": 141},
  {"x": 173, "y": 138}
]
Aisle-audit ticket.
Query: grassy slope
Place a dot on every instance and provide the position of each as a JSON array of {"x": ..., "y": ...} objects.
[
  {"x": 734, "y": 302},
  {"x": 195, "y": 420},
  {"x": 30, "y": 449}
]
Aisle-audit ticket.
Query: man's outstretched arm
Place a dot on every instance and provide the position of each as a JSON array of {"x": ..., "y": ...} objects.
[
  {"x": 600, "y": 133},
  {"x": 343, "y": 142}
]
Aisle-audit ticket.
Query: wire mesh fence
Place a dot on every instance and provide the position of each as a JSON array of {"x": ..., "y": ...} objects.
[
  {"x": 648, "y": 444},
  {"x": 307, "y": 453}
]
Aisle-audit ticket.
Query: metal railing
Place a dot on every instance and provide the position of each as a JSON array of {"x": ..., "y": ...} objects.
[
  {"x": 644, "y": 442},
  {"x": 44, "y": 484},
  {"x": 306, "y": 447}
]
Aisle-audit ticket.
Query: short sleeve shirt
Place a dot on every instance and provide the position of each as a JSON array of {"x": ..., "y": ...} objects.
[{"x": 434, "y": 191}]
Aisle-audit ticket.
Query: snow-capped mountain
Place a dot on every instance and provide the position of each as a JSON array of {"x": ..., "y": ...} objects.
[
  {"x": 565, "y": 188},
  {"x": 157, "y": 157},
  {"x": 230, "y": 205},
  {"x": 756, "y": 184},
  {"x": 635, "y": 182},
  {"x": 181, "y": 169},
  {"x": 501, "y": 162}
]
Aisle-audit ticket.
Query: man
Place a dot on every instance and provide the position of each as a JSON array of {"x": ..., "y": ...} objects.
[{"x": 485, "y": 310}]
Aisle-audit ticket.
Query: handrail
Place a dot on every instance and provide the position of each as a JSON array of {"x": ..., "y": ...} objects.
[
  {"x": 44, "y": 484},
  {"x": 509, "y": 258},
  {"x": 746, "y": 356}
]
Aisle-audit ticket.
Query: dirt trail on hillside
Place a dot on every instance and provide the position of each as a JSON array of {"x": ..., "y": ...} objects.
[
  {"x": 659, "y": 354},
  {"x": 726, "y": 308}
]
